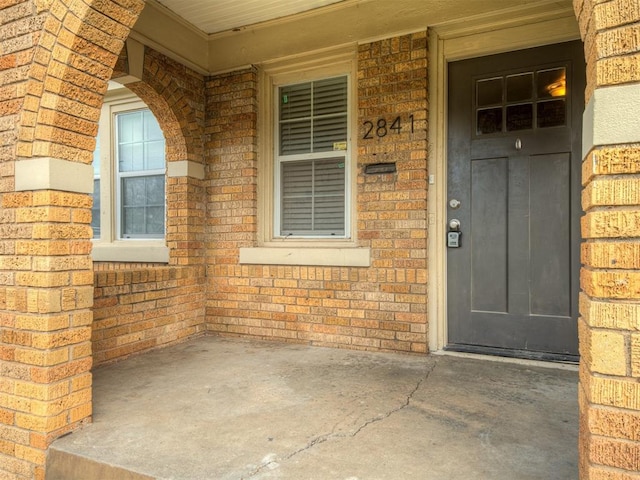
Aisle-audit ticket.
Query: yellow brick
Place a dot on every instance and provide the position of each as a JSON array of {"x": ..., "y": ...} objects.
[
  {"x": 81, "y": 412},
  {"x": 611, "y": 255},
  {"x": 612, "y": 191},
  {"x": 635, "y": 355},
  {"x": 614, "y": 393},
  {"x": 39, "y": 391},
  {"x": 621, "y": 284},
  {"x": 614, "y": 315},
  {"x": 81, "y": 351},
  {"x": 32, "y": 455},
  {"x": 611, "y": 224},
  {"x": 60, "y": 263},
  {"x": 43, "y": 247},
  {"x": 608, "y": 353},
  {"x": 41, "y": 424},
  {"x": 614, "y": 453},
  {"x": 613, "y": 161},
  {"x": 82, "y": 381},
  {"x": 82, "y": 278},
  {"x": 42, "y": 323},
  {"x": 61, "y": 231},
  {"x": 43, "y": 214},
  {"x": 61, "y": 338},
  {"x": 614, "y": 423},
  {"x": 42, "y": 279},
  {"x": 48, "y": 197},
  {"x": 42, "y": 358},
  {"x": 618, "y": 70}
]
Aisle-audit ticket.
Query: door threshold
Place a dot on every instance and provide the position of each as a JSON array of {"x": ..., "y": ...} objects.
[{"x": 570, "y": 362}]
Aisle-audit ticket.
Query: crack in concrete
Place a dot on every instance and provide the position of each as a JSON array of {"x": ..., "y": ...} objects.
[
  {"x": 328, "y": 436},
  {"x": 404, "y": 405}
]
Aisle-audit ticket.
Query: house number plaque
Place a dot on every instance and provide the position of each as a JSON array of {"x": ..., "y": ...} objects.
[{"x": 382, "y": 127}]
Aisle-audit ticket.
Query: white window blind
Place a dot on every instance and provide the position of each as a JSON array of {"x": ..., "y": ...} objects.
[{"x": 312, "y": 157}]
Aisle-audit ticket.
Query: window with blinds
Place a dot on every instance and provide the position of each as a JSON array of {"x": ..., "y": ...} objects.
[
  {"x": 140, "y": 170},
  {"x": 312, "y": 158}
]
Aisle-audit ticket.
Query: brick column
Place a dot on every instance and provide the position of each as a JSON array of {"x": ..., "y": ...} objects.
[
  {"x": 46, "y": 349},
  {"x": 55, "y": 60},
  {"x": 610, "y": 280}
]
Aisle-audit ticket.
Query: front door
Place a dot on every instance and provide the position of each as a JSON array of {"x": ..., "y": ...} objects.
[{"x": 513, "y": 205}]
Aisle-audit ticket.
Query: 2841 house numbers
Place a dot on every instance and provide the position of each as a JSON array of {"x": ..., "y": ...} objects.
[{"x": 382, "y": 127}]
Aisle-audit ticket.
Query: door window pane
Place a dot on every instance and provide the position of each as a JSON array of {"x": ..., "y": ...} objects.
[
  {"x": 519, "y": 117},
  {"x": 520, "y": 87},
  {"x": 489, "y": 120},
  {"x": 552, "y": 83},
  {"x": 552, "y": 113},
  {"x": 489, "y": 92}
]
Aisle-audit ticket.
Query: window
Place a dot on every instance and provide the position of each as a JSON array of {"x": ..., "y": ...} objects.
[
  {"x": 129, "y": 182},
  {"x": 311, "y": 160},
  {"x": 140, "y": 166},
  {"x": 306, "y": 173},
  {"x": 522, "y": 101}
]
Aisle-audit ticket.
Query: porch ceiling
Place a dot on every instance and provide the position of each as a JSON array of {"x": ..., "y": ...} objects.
[
  {"x": 220, "y": 35},
  {"x": 213, "y": 16}
]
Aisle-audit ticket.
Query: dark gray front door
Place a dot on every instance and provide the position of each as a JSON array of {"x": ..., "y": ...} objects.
[{"x": 514, "y": 156}]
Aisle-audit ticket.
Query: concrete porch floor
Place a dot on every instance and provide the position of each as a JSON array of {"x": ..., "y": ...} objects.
[{"x": 216, "y": 408}]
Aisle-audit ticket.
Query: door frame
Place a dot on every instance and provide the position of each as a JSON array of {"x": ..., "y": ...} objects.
[{"x": 507, "y": 30}]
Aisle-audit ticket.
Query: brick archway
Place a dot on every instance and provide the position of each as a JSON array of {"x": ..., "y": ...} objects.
[
  {"x": 175, "y": 95},
  {"x": 55, "y": 67}
]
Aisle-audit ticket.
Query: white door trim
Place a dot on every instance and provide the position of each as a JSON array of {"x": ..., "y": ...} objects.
[{"x": 506, "y": 31}]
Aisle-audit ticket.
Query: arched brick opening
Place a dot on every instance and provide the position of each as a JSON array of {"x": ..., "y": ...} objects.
[
  {"x": 609, "y": 393},
  {"x": 56, "y": 67},
  {"x": 173, "y": 300},
  {"x": 175, "y": 95}
]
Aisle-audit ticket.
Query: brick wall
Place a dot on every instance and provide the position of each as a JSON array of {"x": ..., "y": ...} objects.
[
  {"x": 609, "y": 305},
  {"x": 382, "y": 307},
  {"x": 140, "y": 308}
]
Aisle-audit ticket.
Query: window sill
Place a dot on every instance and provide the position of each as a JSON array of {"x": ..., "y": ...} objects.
[
  {"x": 307, "y": 256},
  {"x": 130, "y": 251}
]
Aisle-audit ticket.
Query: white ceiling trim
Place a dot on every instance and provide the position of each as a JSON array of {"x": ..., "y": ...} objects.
[{"x": 214, "y": 16}]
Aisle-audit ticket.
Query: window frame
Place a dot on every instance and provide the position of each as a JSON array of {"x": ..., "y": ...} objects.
[
  {"x": 270, "y": 250},
  {"x": 279, "y": 160},
  {"x": 289, "y": 72},
  {"x": 119, "y": 177},
  {"x": 111, "y": 245}
]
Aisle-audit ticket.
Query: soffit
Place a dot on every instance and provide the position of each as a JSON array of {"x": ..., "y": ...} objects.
[
  {"x": 214, "y": 16},
  {"x": 213, "y": 36}
]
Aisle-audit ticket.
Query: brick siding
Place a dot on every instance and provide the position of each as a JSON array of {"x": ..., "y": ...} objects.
[
  {"x": 382, "y": 307},
  {"x": 139, "y": 309}
]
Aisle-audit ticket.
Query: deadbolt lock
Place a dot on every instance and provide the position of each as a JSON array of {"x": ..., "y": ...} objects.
[{"x": 454, "y": 233}]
